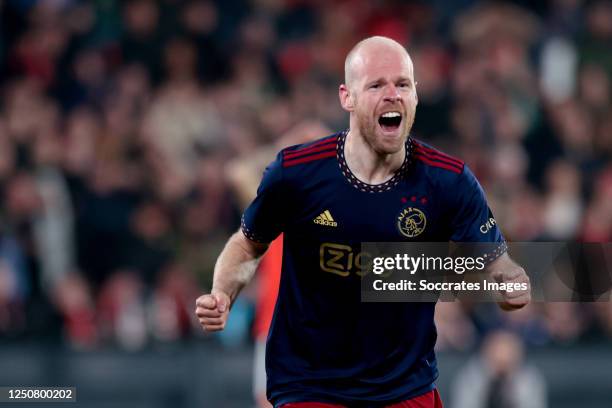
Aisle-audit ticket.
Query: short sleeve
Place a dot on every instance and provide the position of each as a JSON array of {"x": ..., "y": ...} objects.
[
  {"x": 265, "y": 218},
  {"x": 472, "y": 220}
]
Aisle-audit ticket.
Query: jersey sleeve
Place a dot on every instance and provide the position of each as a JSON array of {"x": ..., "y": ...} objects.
[
  {"x": 265, "y": 218},
  {"x": 472, "y": 220}
]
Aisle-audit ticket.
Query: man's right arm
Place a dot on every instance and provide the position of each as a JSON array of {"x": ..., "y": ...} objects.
[
  {"x": 234, "y": 269},
  {"x": 262, "y": 221}
]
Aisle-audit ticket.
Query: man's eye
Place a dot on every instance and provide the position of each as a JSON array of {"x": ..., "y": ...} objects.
[
  {"x": 404, "y": 85},
  {"x": 374, "y": 86}
]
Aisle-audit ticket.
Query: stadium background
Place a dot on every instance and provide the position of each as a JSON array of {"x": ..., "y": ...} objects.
[{"x": 123, "y": 126}]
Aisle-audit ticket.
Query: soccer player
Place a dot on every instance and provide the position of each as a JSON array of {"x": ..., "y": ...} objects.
[{"x": 372, "y": 182}]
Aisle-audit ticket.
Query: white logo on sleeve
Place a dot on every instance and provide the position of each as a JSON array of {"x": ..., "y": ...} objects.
[{"x": 487, "y": 226}]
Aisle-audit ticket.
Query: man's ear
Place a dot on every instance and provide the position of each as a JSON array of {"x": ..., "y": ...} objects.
[{"x": 346, "y": 98}]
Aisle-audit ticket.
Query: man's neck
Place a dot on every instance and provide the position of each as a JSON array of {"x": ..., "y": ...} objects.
[{"x": 366, "y": 164}]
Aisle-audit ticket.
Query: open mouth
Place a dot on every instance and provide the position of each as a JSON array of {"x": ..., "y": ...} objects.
[{"x": 390, "y": 121}]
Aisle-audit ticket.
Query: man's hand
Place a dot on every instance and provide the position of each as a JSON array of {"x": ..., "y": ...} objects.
[
  {"x": 234, "y": 269},
  {"x": 517, "y": 298},
  {"x": 212, "y": 310},
  {"x": 504, "y": 269}
]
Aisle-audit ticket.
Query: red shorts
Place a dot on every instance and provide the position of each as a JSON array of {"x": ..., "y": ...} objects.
[{"x": 427, "y": 400}]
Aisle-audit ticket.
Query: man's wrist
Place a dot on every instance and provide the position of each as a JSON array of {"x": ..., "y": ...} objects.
[{"x": 218, "y": 290}]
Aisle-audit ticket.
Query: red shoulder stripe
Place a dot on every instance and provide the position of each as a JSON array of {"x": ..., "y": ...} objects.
[
  {"x": 306, "y": 159},
  {"x": 326, "y": 140},
  {"x": 308, "y": 150},
  {"x": 438, "y": 157},
  {"x": 438, "y": 164},
  {"x": 437, "y": 153}
]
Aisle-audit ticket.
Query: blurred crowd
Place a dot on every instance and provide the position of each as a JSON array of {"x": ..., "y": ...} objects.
[{"x": 118, "y": 119}]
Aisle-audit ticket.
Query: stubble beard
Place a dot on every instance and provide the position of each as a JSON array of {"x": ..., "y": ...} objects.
[{"x": 368, "y": 128}]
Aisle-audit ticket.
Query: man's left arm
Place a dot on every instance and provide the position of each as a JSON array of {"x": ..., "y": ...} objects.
[
  {"x": 505, "y": 270},
  {"x": 473, "y": 222}
]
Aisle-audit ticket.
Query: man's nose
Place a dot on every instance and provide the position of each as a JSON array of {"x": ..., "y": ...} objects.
[{"x": 392, "y": 93}]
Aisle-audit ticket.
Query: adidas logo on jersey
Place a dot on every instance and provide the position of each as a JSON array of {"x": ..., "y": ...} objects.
[{"x": 326, "y": 219}]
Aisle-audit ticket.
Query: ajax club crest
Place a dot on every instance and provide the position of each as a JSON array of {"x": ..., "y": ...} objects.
[{"x": 411, "y": 222}]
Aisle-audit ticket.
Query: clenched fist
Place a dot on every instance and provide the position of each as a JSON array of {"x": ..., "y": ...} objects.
[
  {"x": 505, "y": 270},
  {"x": 515, "y": 299},
  {"x": 212, "y": 311}
]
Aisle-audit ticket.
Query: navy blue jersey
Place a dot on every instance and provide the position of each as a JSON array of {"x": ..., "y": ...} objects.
[{"x": 324, "y": 344}]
